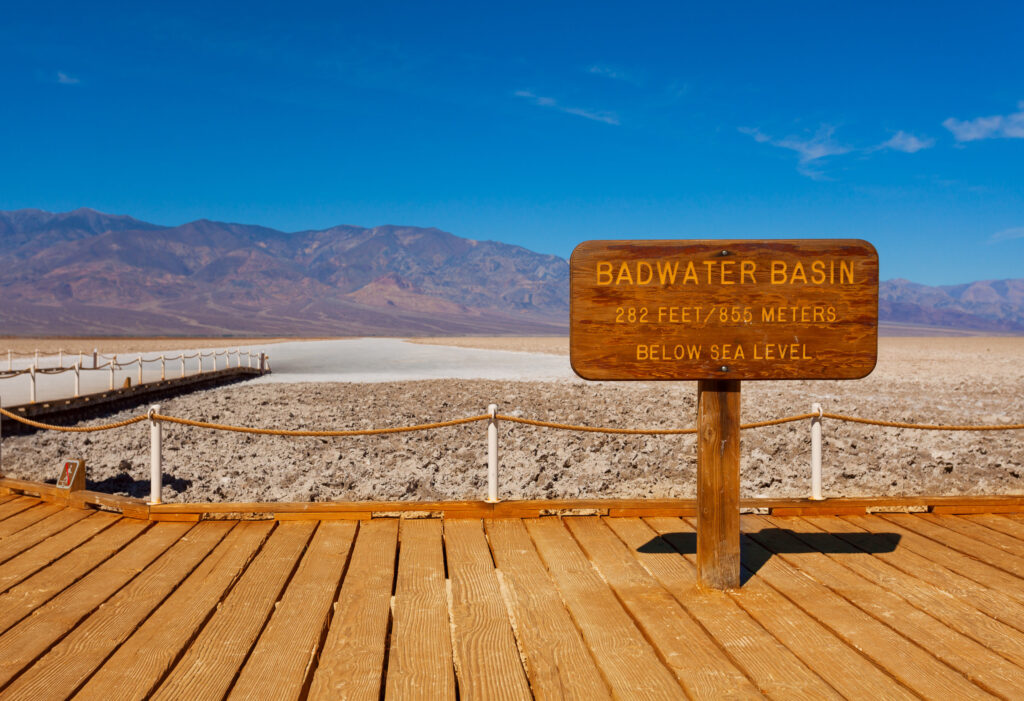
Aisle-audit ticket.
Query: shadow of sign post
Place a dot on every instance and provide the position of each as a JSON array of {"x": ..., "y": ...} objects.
[{"x": 720, "y": 312}]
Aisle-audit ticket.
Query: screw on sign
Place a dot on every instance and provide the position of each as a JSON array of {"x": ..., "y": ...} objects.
[{"x": 720, "y": 312}]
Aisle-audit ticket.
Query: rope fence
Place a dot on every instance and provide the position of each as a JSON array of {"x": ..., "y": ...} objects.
[
  {"x": 112, "y": 364},
  {"x": 155, "y": 419}
]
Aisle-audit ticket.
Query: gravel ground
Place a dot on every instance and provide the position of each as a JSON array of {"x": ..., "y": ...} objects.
[{"x": 969, "y": 381}]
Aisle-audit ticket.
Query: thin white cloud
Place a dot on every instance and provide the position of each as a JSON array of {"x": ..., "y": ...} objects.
[
  {"x": 808, "y": 149},
  {"x": 907, "y": 143},
  {"x": 65, "y": 79},
  {"x": 999, "y": 126},
  {"x": 608, "y": 72},
  {"x": 540, "y": 101},
  {"x": 1016, "y": 232}
]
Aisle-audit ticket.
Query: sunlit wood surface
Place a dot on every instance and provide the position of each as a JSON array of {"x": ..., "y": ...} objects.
[{"x": 895, "y": 606}]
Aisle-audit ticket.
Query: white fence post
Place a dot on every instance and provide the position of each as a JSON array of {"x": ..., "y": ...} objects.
[
  {"x": 95, "y": 358},
  {"x": 10, "y": 361},
  {"x": 816, "y": 452},
  {"x": 183, "y": 363},
  {"x": 492, "y": 454},
  {"x": 140, "y": 368},
  {"x": 60, "y": 357},
  {"x": 155, "y": 456},
  {"x": 37, "y": 358},
  {"x": 163, "y": 367},
  {"x": 32, "y": 384},
  {"x": 112, "y": 363},
  {"x": 78, "y": 379}
]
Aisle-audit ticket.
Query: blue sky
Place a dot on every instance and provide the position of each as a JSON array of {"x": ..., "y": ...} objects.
[{"x": 537, "y": 124}]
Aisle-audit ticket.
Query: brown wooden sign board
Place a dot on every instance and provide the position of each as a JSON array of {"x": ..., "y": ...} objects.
[
  {"x": 719, "y": 312},
  {"x": 728, "y": 310}
]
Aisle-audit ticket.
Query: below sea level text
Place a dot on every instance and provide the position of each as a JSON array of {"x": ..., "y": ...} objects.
[{"x": 723, "y": 351}]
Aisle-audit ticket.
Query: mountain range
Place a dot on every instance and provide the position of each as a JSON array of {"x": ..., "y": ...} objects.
[{"x": 88, "y": 273}]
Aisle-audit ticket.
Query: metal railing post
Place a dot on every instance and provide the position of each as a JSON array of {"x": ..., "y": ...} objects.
[
  {"x": 816, "y": 452},
  {"x": 183, "y": 363},
  {"x": 60, "y": 357},
  {"x": 492, "y": 454},
  {"x": 37, "y": 358},
  {"x": 78, "y": 379},
  {"x": 95, "y": 358},
  {"x": 32, "y": 385},
  {"x": 140, "y": 368},
  {"x": 112, "y": 363},
  {"x": 155, "y": 456},
  {"x": 163, "y": 367}
]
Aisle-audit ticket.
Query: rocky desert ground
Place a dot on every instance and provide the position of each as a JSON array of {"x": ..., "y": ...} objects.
[{"x": 928, "y": 380}]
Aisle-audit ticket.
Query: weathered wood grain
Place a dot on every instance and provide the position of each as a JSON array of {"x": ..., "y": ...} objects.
[
  {"x": 23, "y": 519},
  {"x": 486, "y": 658},
  {"x": 41, "y": 530},
  {"x": 141, "y": 661},
  {"x": 735, "y": 316},
  {"x": 352, "y": 661},
  {"x": 627, "y": 660},
  {"x": 900, "y": 656},
  {"x": 212, "y": 661},
  {"x": 420, "y": 659},
  {"x": 280, "y": 666},
  {"x": 69, "y": 663},
  {"x": 684, "y": 647},
  {"x": 954, "y": 538},
  {"x": 557, "y": 661},
  {"x": 664, "y": 546},
  {"x": 33, "y": 636},
  {"x": 42, "y": 553},
  {"x": 718, "y": 483}
]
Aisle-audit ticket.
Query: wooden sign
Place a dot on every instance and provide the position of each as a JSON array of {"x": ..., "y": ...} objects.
[
  {"x": 72, "y": 475},
  {"x": 728, "y": 310}
]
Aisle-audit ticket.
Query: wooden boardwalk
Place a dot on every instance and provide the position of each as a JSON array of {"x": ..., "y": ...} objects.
[{"x": 895, "y": 606}]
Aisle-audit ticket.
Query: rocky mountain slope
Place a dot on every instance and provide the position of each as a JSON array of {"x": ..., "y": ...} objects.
[{"x": 89, "y": 273}]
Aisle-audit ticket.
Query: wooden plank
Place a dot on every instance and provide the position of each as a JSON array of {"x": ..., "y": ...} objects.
[
  {"x": 420, "y": 659},
  {"x": 718, "y": 483},
  {"x": 33, "y": 636},
  {"x": 557, "y": 661},
  {"x": 1009, "y": 526},
  {"x": 629, "y": 663},
  {"x": 211, "y": 663},
  {"x": 666, "y": 548},
  {"x": 955, "y": 612},
  {"x": 22, "y": 599},
  {"x": 42, "y": 529},
  {"x": 70, "y": 662},
  {"x": 487, "y": 661},
  {"x": 969, "y": 545},
  {"x": 979, "y": 532},
  {"x": 4, "y": 498},
  {"x": 928, "y": 629},
  {"x": 280, "y": 666},
  {"x": 700, "y": 666},
  {"x": 142, "y": 661},
  {"x": 902, "y": 658},
  {"x": 23, "y": 519},
  {"x": 991, "y": 602},
  {"x": 84, "y": 526},
  {"x": 971, "y": 568},
  {"x": 324, "y": 516},
  {"x": 352, "y": 661}
]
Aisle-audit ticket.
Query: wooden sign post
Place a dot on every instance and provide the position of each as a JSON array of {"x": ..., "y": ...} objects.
[{"x": 720, "y": 312}]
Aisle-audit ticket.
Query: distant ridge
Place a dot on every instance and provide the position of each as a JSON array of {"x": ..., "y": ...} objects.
[{"x": 85, "y": 272}]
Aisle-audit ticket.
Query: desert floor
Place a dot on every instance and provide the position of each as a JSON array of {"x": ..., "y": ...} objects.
[{"x": 933, "y": 380}]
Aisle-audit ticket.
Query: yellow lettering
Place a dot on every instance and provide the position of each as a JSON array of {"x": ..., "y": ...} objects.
[
  {"x": 830, "y": 313},
  {"x": 604, "y": 273},
  {"x": 818, "y": 272},
  {"x": 641, "y": 352},
  {"x": 798, "y": 271},
  {"x": 668, "y": 272},
  {"x": 778, "y": 272},
  {"x": 624, "y": 274},
  {"x": 709, "y": 264},
  {"x": 727, "y": 271},
  {"x": 845, "y": 272},
  {"x": 747, "y": 267},
  {"x": 691, "y": 274},
  {"x": 768, "y": 314},
  {"x": 640, "y": 273}
]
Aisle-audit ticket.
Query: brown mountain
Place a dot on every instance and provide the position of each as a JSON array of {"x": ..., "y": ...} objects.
[
  {"x": 988, "y": 305},
  {"x": 85, "y": 273}
]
